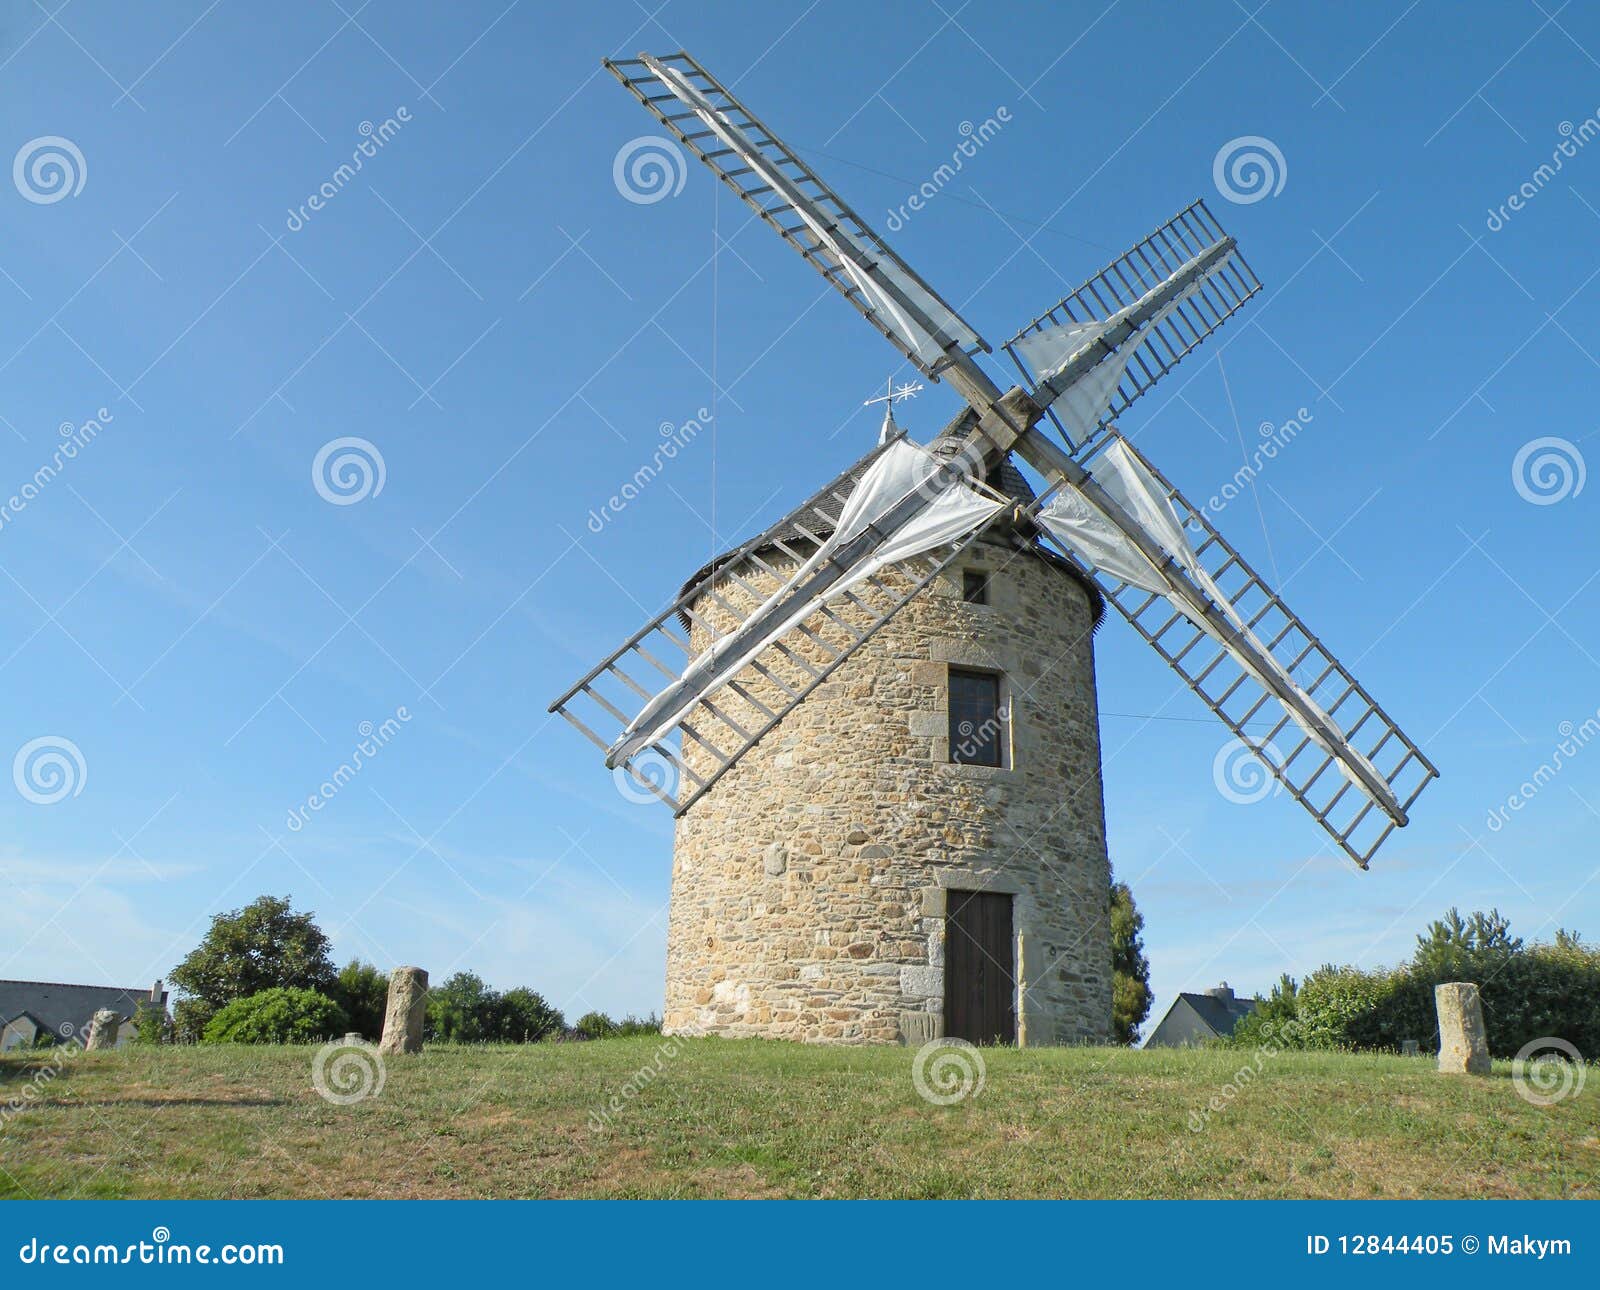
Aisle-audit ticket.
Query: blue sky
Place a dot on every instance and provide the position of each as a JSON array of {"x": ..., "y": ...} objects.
[{"x": 481, "y": 303}]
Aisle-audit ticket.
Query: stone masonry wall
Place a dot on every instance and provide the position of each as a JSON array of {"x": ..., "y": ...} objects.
[{"x": 808, "y": 891}]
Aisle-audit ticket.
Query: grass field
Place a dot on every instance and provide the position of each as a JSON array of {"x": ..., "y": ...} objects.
[{"x": 754, "y": 1118}]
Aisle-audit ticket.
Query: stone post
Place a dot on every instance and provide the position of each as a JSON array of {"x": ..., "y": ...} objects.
[
  {"x": 103, "y": 1028},
  {"x": 408, "y": 1004},
  {"x": 1463, "y": 1041},
  {"x": 1410, "y": 1048}
]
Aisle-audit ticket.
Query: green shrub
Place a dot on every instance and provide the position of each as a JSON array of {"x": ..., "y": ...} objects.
[
  {"x": 277, "y": 1016},
  {"x": 151, "y": 1026},
  {"x": 522, "y": 1016},
  {"x": 1528, "y": 992},
  {"x": 595, "y": 1025},
  {"x": 363, "y": 992},
  {"x": 632, "y": 1025}
]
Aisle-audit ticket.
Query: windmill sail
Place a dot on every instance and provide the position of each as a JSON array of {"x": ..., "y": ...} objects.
[
  {"x": 808, "y": 214},
  {"x": 847, "y": 560},
  {"x": 908, "y": 502},
  {"x": 1190, "y": 257},
  {"x": 1251, "y": 659}
]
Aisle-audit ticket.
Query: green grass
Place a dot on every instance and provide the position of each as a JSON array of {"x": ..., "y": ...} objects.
[{"x": 755, "y": 1118}]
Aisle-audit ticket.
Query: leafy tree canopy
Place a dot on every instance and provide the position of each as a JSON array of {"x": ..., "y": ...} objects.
[{"x": 1130, "y": 970}]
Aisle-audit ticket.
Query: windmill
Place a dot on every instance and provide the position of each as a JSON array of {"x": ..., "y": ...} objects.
[{"x": 1155, "y": 556}]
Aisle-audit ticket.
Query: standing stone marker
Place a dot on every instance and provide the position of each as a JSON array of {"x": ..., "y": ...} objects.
[
  {"x": 1463, "y": 1041},
  {"x": 1410, "y": 1048},
  {"x": 103, "y": 1027},
  {"x": 408, "y": 1004}
]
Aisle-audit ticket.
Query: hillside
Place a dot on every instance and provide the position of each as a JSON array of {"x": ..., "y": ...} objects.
[{"x": 753, "y": 1118}]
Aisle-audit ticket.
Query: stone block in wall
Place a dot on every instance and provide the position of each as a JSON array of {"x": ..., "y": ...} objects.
[{"x": 918, "y": 1028}]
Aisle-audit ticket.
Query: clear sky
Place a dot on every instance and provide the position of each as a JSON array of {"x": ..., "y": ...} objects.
[{"x": 484, "y": 306}]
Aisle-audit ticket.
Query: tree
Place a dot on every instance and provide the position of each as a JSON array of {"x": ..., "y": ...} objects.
[
  {"x": 1130, "y": 970},
  {"x": 1453, "y": 939},
  {"x": 462, "y": 1010},
  {"x": 524, "y": 1017},
  {"x": 1273, "y": 1017},
  {"x": 277, "y": 1016},
  {"x": 260, "y": 947},
  {"x": 363, "y": 992}
]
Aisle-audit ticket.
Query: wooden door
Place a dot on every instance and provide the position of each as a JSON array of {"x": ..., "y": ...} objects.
[{"x": 980, "y": 980}]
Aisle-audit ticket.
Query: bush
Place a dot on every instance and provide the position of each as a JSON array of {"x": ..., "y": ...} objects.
[
  {"x": 595, "y": 1025},
  {"x": 462, "y": 1010},
  {"x": 632, "y": 1025},
  {"x": 363, "y": 992},
  {"x": 277, "y": 1016},
  {"x": 1528, "y": 992},
  {"x": 523, "y": 1017},
  {"x": 151, "y": 1026}
]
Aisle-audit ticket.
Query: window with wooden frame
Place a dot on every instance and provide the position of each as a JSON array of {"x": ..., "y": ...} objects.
[{"x": 977, "y": 718}]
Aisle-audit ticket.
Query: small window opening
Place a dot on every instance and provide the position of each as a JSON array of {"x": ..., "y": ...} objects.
[
  {"x": 977, "y": 719},
  {"x": 975, "y": 587}
]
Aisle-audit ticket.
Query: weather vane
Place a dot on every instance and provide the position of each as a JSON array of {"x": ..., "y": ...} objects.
[{"x": 892, "y": 394}]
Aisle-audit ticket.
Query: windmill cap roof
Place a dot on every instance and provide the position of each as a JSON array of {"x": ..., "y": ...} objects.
[{"x": 1004, "y": 477}]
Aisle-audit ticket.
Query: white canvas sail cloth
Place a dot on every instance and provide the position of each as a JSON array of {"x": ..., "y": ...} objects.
[
  {"x": 955, "y": 511},
  {"x": 1088, "y": 532},
  {"x": 1048, "y": 351}
]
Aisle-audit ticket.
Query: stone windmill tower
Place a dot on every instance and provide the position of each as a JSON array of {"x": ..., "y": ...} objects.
[
  {"x": 876, "y": 721},
  {"x": 919, "y": 849}
]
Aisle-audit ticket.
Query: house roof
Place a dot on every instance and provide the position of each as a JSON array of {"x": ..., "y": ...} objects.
[
  {"x": 1004, "y": 477},
  {"x": 54, "y": 1005},
  {"x": 1222, "y": 1015}
]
